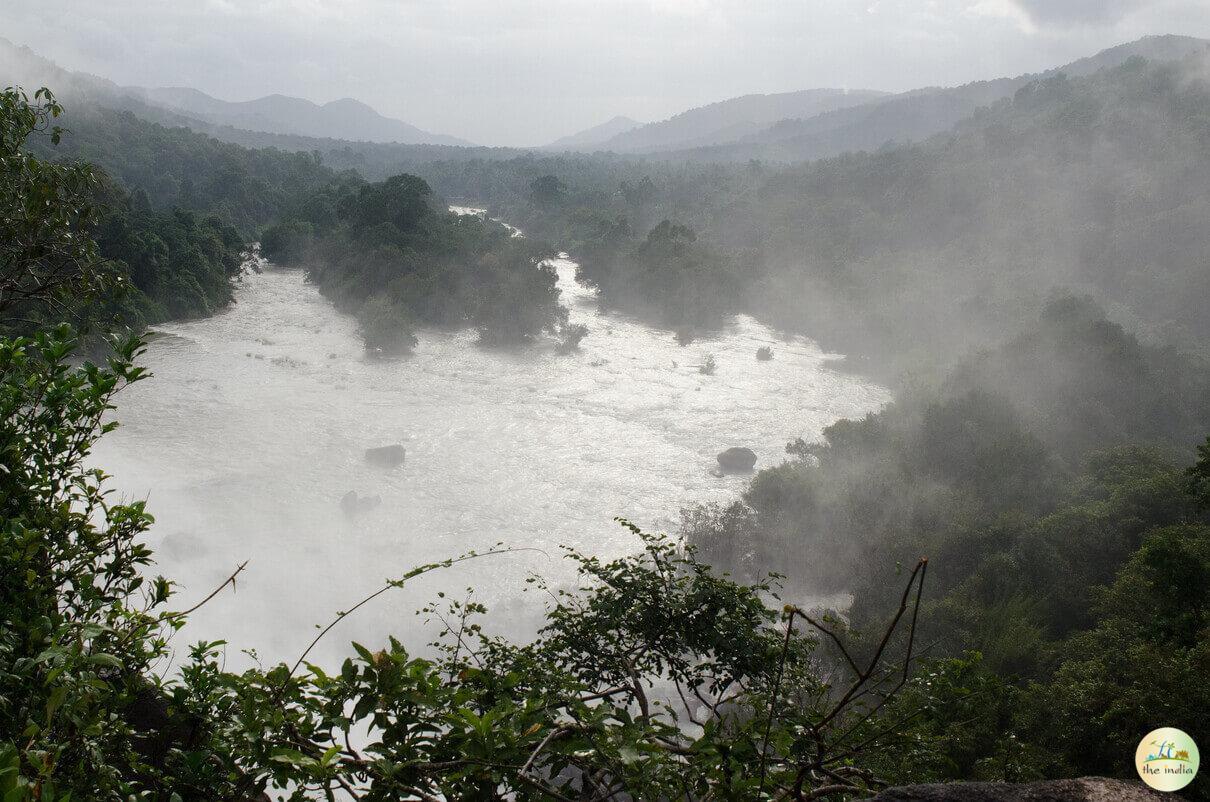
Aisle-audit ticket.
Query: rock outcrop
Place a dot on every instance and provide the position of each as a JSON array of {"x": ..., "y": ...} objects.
[
  {"x": 1083, "y": 789},
  {"x": 737, "y": 460},
  {"x": 351, "y": 503},
  {"x": 386, "y": 456}
]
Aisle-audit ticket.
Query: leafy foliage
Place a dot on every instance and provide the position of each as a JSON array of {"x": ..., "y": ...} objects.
[
  {"x": 80, "y": 632},
  {"x": 46, "y": 266}
]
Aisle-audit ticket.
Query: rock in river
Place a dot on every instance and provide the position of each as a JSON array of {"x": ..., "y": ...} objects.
[
  {"x": 386, "y": 456},
  {"x": 351, "y": 503},
  {"x": 737, "y": 460}
]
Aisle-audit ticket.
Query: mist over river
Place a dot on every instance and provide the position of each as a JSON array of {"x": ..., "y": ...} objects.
[{"x": 255, "y": 424}]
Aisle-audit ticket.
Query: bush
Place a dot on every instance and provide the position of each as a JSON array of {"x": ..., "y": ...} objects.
[
  {"x": 79, "y": 623},
  {"x": 571, "y": 335},
  {"x": 287, "y": 243},
  {"x": 385, "y": 328}
]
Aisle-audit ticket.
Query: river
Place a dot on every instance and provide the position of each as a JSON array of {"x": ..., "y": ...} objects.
[{"x": 255, "y": 423}]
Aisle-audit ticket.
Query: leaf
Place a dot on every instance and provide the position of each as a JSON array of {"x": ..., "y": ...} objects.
[
  {"x": 102, "y": 659},
  {"x": 629, "y": 755}
]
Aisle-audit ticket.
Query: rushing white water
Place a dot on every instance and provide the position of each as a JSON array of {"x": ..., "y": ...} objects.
[{"x": 255, "y": 423}]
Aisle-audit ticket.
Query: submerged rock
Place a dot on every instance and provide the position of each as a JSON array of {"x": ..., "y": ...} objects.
[
  {"x": 352, "y": 504},
  {"x": 737, "y": 460},
  {"x": 386, "y": 456}
]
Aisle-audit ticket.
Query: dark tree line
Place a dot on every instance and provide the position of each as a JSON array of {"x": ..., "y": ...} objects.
[{"x": 392, "y": 253}]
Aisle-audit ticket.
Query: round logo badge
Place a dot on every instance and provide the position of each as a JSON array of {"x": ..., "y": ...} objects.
[{"x": 1167, "y": 759}]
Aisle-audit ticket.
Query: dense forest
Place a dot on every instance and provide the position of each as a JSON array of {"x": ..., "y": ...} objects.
[
  {"x": 177, "y": 167},
  {"x": 392, "y": 252},
  {"x": 158, "y": 264},
  {"x": 1046, "y": 482},
  {"x": 173, "y": 210},
  {"x": 1024, "y": 531}
]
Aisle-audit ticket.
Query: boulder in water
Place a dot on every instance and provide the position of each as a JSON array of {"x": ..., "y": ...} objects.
[
  {"x": 386, "y": 456},
  {"x": 737, "y": 460},
  {"x": 352, "y": 504}
]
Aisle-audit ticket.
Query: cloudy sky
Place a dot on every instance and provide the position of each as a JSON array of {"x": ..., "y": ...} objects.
[{"x": 523, "y": 72}]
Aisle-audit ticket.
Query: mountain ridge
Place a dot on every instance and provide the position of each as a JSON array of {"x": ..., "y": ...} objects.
[
  {"x": 596, "y": 135},
  {"x": 917, "y": 114},
  {"x": 732, "y": 117},
  {"x": 346, "y": 118}
]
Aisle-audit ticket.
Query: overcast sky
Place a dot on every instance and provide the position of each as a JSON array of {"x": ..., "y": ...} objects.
[{"x": 523, "y": 72}]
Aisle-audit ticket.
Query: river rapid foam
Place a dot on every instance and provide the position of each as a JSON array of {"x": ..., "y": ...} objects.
[{"x": 256, "y": 420}]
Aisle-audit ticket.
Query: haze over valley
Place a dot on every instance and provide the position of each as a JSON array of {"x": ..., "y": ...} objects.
[{"x": 673, "y": 400}]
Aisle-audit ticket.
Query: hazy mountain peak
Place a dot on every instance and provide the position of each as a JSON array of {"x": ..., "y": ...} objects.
[
  {"x": 589, "y": 138},
  {"x": 734, "y": 118}
]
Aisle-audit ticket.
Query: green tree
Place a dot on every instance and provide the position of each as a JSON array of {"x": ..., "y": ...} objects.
[
  {"x": 287, "y": 243},
  {"x": 80, "y": 627},
  {"x": 546, "y": 191},
  {"x": 48, "y": 266}
]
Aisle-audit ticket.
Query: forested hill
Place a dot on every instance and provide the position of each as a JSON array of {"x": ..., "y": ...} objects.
[
  {"x": 20, "y": 66},
  {"x": 1085, "y": 185},
  {"x": 178, "y": 167},
  {"x": 1091, "y": 185},
  {"x": 916, "y": 115}
]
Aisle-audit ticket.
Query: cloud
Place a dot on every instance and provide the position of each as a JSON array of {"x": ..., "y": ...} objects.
[{"x": 1070, "y": 13}]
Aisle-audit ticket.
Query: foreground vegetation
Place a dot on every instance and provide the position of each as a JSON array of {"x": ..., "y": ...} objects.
[{"x": 85, "y": 713}]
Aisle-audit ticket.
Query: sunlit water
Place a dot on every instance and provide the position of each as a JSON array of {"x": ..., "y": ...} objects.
[{"x": 256, "y": 421}]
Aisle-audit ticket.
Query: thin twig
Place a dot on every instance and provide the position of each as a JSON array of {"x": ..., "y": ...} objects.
[
  {"x": 557, "y": 732},
  {"x": 852, "y": 663},
  {"x": 396, "y": 583},
  {"x": 781, "y": 666},
  {"x": 228, "y": 581}
]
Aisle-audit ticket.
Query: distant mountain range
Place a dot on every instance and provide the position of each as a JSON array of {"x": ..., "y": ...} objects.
[
  {"x": 725, "y": 121},
  {"x": 279, "y": 114},
  {"x": 918, "y": 114},
  {"x": 345, "y": 119},
  {"x": 789, "y": 126},
  {"x": 817, "y": 123}
]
